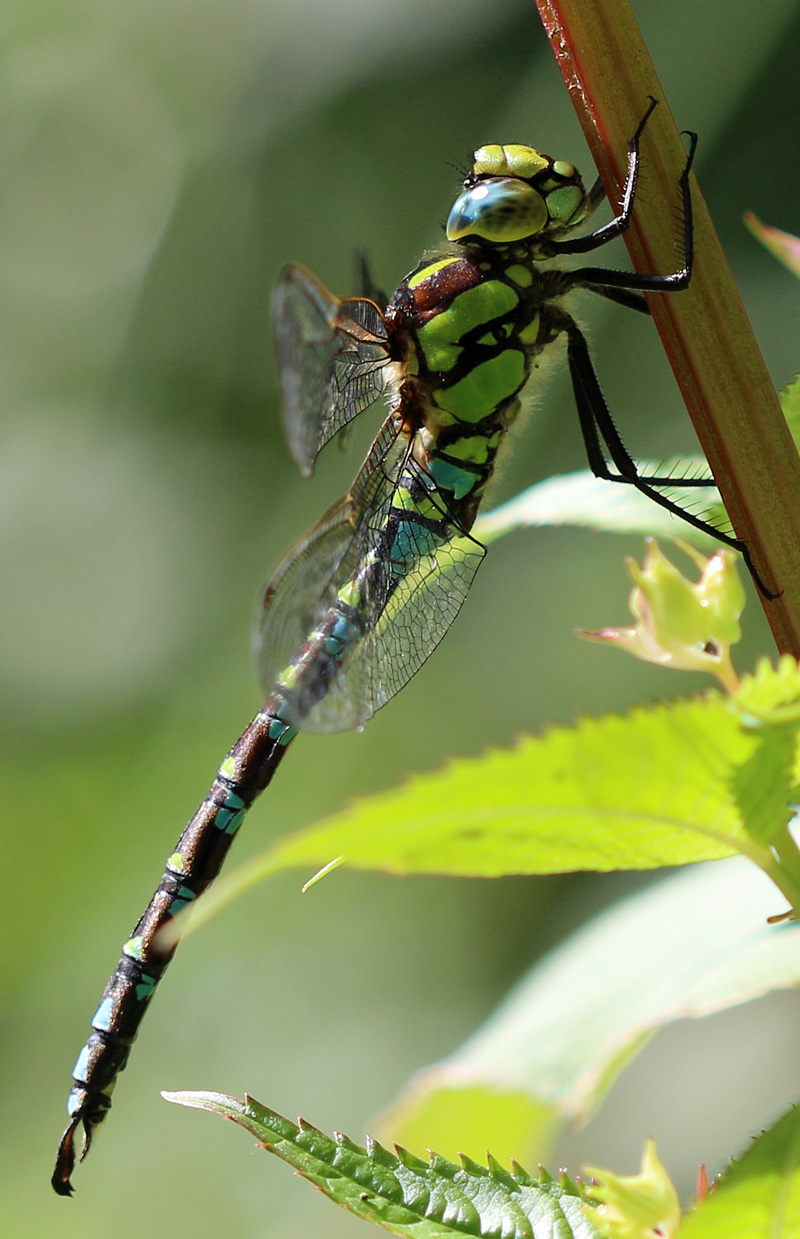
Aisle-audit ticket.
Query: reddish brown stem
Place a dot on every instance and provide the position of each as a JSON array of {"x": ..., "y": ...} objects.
[{"x": 705, "y": 330}]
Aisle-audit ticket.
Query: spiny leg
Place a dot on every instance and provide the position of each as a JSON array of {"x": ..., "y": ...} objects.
[
  {"x": 597, "y": 278},
  {"x": 365, "y": 280},
  {"x": 622, "y": 222},
  {"x": 597, "y": 426},
  {"x": 625, "y": 288},
  {"x": 621, "y": 296}
]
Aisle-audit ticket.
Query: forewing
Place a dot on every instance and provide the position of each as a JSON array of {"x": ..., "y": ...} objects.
[
  {"x": 403, "y": 619},
  {"x": 405, "y": 631},
  {"x": 300, "y": 592},
  {"x": 305, "y": 584},
  {"x": 331, "y": 356}
]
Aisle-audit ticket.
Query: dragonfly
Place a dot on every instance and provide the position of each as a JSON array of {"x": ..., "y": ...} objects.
[{"x": 359, "y": 604}]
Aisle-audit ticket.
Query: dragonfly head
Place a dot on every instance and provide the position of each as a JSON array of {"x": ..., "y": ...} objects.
[{"x": 515, "y": 193}]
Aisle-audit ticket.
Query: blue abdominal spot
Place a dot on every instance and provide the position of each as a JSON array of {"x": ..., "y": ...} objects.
[
  {"x": 343, "y": 630},
  {"x": 451, "y": 478},
  {"x": 82, "y": 1065},
  {"x": 411, "y": 541},
  {"x": 101, "y": 1020}
]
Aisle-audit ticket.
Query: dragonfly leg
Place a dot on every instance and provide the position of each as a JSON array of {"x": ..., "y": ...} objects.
[
  {"x": 621, "y": 296},
  {"x": 365, "y": 280},
  {"x": 598, "y": 428},
  {"x": 596, "y": 195},
  {"x": 621, "y": 222},
  {"x": 597, "y": 278},
  {"x": 675, "y": 281}
]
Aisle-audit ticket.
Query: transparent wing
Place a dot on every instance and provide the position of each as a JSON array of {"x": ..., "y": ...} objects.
[
  {"x": 331, "y": 357},
  {"x": 405, "y": 634},
  {"x": 306, "y": 583},
  {"x": 404, "y": 616}
]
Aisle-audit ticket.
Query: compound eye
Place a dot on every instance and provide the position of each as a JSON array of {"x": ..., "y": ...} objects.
[{"x": 499, "y": 211}]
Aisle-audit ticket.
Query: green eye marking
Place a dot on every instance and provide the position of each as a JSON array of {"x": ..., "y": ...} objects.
[{"x": 565, "y": 203}]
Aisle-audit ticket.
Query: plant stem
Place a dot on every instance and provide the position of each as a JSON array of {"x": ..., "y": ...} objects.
[{"x": 705, "y": 331}]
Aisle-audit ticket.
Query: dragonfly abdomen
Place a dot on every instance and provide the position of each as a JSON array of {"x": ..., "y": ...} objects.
[
  {"x": 192, "y": 866},
  {"x": 308, "y": 676}
]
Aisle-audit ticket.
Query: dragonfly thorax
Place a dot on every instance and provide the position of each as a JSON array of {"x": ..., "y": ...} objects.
[{"x": 515, "y": 193}]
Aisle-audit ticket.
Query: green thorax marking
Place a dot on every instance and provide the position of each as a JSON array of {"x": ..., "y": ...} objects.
[{"x": 474, "y": 322}]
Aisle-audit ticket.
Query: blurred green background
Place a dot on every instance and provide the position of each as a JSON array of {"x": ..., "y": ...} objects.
[{"x": 158, "y": 163}]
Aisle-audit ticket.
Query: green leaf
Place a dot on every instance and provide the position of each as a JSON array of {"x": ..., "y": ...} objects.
[
  {"x": 771, "y": 695},
  {"x": 759, "y": 1196},
  {"x": 770, "y": 706},
  {"x": 762, "y": 785},
  {"x": 407, "y": 1196},
  {"x": 695, "y": 944},
  {"x": 673, "y": 784},
  {"x": 648, "y": 789},
  {"x": 585, "y": 501},
  {"x": 790, "y": 403},
  {"x": 470, "y": 1113}
]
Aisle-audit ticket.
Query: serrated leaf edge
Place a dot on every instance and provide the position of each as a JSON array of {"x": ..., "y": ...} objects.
[{"x": 429, "y": 1199}]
